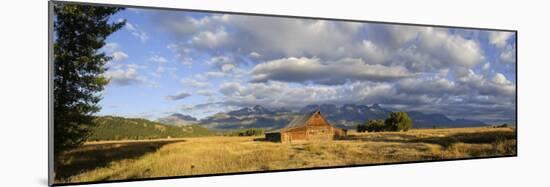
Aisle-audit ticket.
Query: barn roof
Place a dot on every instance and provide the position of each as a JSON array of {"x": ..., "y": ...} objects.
[{"x": 300, "y": 121}]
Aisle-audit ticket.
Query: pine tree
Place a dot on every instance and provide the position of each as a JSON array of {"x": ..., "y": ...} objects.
[{"x": 80, "y": 31}]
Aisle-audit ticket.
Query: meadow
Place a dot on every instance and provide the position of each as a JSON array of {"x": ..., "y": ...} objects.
[{"x": 116, "y": 160}]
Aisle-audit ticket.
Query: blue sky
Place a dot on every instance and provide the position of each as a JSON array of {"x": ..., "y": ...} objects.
[{"x": 200, "y": 64}]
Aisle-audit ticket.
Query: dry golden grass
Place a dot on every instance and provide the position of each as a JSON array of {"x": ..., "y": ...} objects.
[{"x": 212, "y": 155}]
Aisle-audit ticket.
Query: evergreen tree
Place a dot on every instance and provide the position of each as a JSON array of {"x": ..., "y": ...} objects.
[{"x": 80, "y": 31}]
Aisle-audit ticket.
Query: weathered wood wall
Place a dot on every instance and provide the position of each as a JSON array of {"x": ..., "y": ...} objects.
[{"x": 315, "y": 128}]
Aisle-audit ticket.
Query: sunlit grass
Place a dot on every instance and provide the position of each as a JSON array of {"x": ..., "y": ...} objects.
[{"x": 212, "y": 155}]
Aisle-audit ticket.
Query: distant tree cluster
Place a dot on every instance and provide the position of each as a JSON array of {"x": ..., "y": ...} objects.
[
  {"x": 373, "y": 125},
  {"x": 247, "y": 132},
  {"x": 397, "y": 121}
]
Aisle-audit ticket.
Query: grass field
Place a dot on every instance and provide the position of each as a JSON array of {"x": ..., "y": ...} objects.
[{"x": 114, "y": 160}]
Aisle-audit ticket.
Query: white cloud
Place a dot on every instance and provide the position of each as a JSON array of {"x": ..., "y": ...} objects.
[
  {"x": 124, "y": 76},
  {"x": 508, "y": 55},
  {"x": 209, "y": 39},
  {"x": 141, "y": 35},
  {"x": 158, "y": 59},
  {"x": 223, "y": 63},
  {"x": 215, "y": 74},
  {"x": 497, "y": 86},
  {"x": 499, "y": 38},
  {"x": 195, "y": 83},
  {"x": 294, "y": 37},
  {"x": 451, "y": 48},
  {"x": 280, "y": 94},
  {"x": 429, "y": 85},
  {"x": 111, "y": 47},
  {"x": 374, "y": 53},
  {"x": 230, "y": 88},
  {"x": 486, "y": 66},
  {"x": 119, "y": 56},
  {"x": 499, "y": 78},
  {"x": 187, "y": 61},
  {"x": 417, "y": 48},
  {"x": 182, "y": 52},
  {"x": 254, "y": 54},
  {"x": 302, "y": 70},
  {"x": 205, "y": 92},
  {"x": 178, "y": 96},
  {"x": 220, "y": 60},
  {"x": 228, "y": 67}
]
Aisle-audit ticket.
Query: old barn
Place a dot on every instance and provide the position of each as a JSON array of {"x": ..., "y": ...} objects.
[{"x": 312, "y": 126}]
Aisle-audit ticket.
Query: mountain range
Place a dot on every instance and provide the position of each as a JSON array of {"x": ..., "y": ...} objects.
[{"x": 346, "y": 116}]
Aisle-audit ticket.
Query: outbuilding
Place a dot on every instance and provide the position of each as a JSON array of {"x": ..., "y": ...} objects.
[{"x": 310, "y": 127}]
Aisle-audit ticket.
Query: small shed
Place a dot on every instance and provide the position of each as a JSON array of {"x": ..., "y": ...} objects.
[{"x": 310, "y": 127}]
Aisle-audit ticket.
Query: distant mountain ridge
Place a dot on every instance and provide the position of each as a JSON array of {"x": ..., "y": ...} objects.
[
  {"x": 179, "y": 119},
  {"x": 347, "y": 115}
]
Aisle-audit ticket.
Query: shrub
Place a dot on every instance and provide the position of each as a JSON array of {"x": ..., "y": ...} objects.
[
  {"x": 361, "y": 127},
  {"x": 376, "y": 125}
]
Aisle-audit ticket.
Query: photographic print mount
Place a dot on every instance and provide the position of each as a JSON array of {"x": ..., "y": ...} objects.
[{"x": 303, "y": 95}]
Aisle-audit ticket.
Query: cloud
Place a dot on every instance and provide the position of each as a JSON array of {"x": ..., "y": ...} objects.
[
  {"x": 136, "y": 32},
  {"x": 158, "y": 59},
  {"x": 195, "y": 83},
  {"x": 178, "y": 96},
  {"x": 221, "y": 61},
  {"x": 205, "y": 92},
  {"x": 294, "y": 37},
  {"x": 486, "y": 66},
  {"x": 111, "y": 47},
  {"x": 119, "y": 56},
  {"x": 254, "y": 54},
  {"x": 392, "y": 36},
  {"x": 215, "y": 74},
  {"x": 182, "y": 52},
  {"x": 206, "y": 109},
  {"x": 227, "y": 67},
  {"x": 209, "y": 39},
  {"x": 499, "y": 38},
  {"x": 508, "y": 55},
  {"x": 478, "y": 84},
  {"x": 295, "y": 62},
  {"x": 431, "y": 85},
  {"x": 450, "y": 49},
  {"x": 418, "y": 48},
  {"x": 499, "y": 78},
  {"x": 124, "y": 76},
  {"x": 230, "y": 88},
  {"x": 302, "y": 70},
  {"x": 281, "y": 94}
]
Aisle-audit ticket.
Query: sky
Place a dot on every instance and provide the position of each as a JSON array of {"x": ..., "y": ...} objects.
[{"x": 200, "y": 64}]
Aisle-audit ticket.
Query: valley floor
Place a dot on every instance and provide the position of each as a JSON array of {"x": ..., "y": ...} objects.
[{"x": 116, "y": 160}]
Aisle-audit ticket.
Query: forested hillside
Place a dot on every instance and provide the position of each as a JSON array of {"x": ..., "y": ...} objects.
[{"x": 119, "y": 128}]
